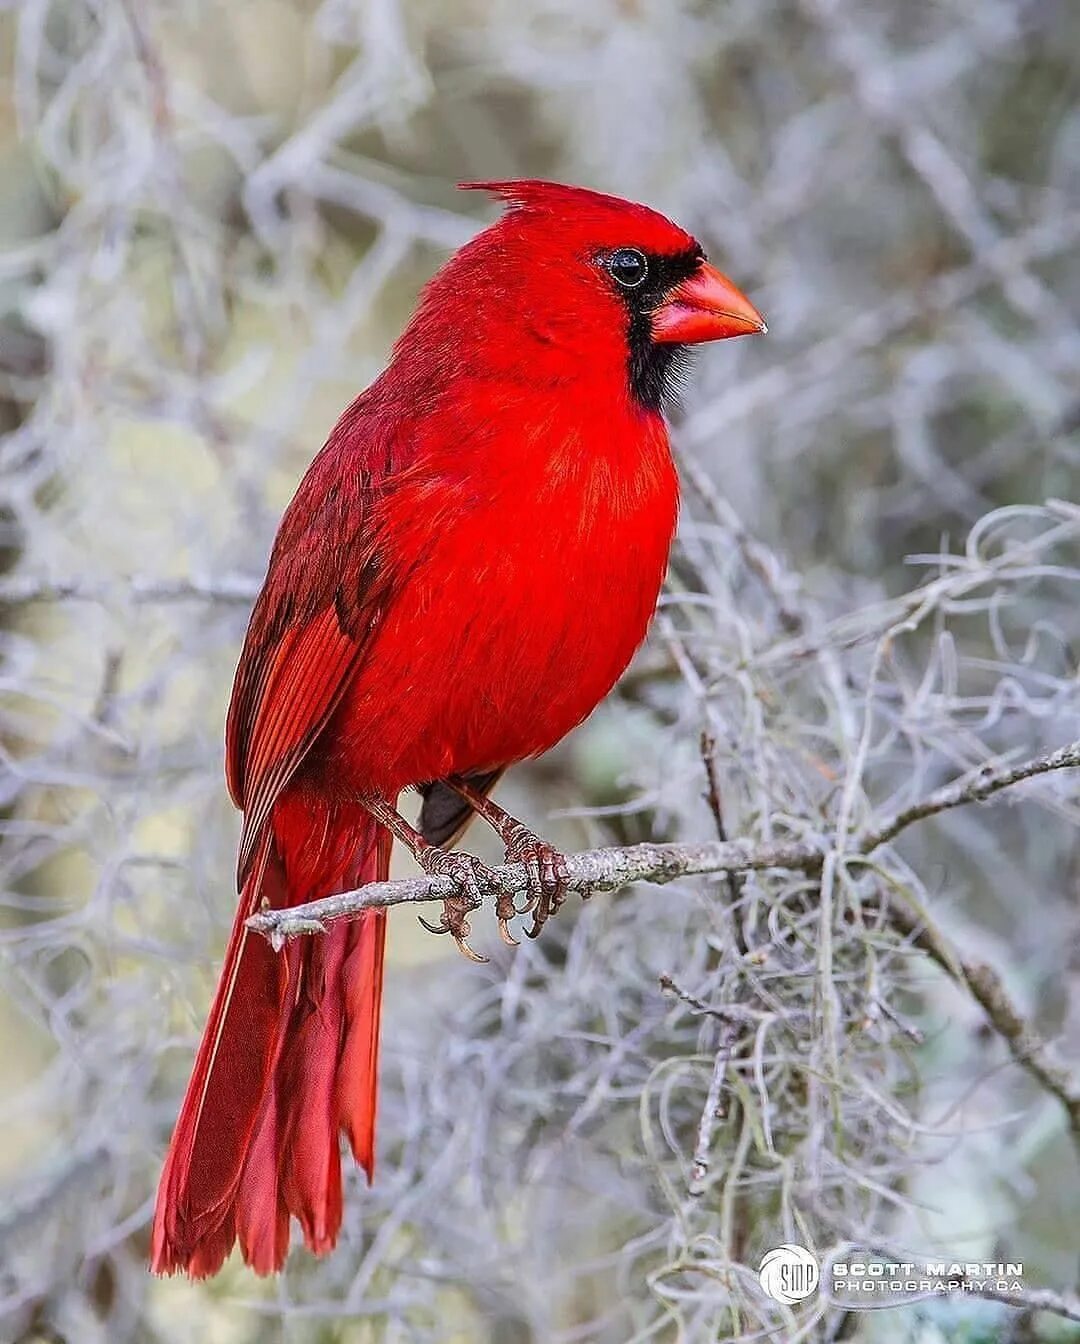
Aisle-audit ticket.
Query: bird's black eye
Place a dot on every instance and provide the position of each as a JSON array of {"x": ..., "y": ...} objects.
[{"x": 628, "y": 266}]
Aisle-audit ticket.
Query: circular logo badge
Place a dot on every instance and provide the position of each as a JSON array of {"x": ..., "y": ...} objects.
[{"x": 788, "y": 1273}]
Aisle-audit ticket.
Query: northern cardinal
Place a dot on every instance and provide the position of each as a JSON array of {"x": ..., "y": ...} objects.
[{"x": 465, "y": 570}]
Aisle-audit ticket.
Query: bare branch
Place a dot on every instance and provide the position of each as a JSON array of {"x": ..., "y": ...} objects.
[
  {"x": 599, "y": 870},
  {"x": 987, "y": 781},
  {"x": 984, "y": 985},
  {"x": 1032, "y": 1299},
  {"x": 592, "y": 871},
  {"x": 229, "y": 588}
]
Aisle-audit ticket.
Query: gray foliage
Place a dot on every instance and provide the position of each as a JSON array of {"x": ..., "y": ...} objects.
[{"x": 213, "y": 220}]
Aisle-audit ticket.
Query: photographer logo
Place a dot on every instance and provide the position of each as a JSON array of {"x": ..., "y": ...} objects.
[{"x": 788, "y": 1273}]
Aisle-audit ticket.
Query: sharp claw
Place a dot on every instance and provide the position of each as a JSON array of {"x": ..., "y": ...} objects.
[
  {"x": 505, "y": 910},
  {"x": 466, "y": 950},
  {"x": 454, "y": 922},
  {"x": 456, "y": 908},
  {"x": 547, "y": 874},
  {"x": 547, "y": 877},
  {"x": 540, "y": 917}
]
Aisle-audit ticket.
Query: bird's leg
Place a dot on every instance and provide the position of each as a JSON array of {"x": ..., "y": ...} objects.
[
  {"x": 466, "y": 870},
  {"x": 545, "y": 866}
]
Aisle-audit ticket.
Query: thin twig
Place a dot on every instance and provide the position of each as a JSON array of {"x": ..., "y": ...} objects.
[
  {"x": 714, "y": 797},
  {"x": 984, "y": 985},
  {"x": 1032, "y": 1299},
  {"x": 20, "y": 589},
  {"x": 713, "y": 1110},
  {"x": 990, "y": 779}
]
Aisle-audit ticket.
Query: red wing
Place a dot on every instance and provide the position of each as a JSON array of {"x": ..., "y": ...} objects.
[
  {"x": 304, "y": 678},
  {"x": 313, "y": 620}
]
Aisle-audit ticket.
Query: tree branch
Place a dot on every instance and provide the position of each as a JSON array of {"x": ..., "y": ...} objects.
[
  {"x": 592, "y": 871},
  {"x": 609, "y": 869},
  {"x": 987, "y": 781},
  {"x": 1032, "y": 1299},
  {"x": 21, "y": 589},
  {"x": 984, "y": 984}
]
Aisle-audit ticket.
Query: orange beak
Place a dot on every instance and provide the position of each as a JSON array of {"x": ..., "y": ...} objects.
[{"x": 706, "y": 307}]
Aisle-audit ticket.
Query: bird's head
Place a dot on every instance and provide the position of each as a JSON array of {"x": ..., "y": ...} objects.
[{"x": 586, "y": 280}]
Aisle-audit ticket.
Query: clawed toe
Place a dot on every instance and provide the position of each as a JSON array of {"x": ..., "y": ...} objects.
[
  {"x": 505, "y": 910},
  {"x": 469, "y": 873},
  {"x": 547, "y": 874},
  {"x": 455, "y": 921},
  {"x": 547, "y": 882}
]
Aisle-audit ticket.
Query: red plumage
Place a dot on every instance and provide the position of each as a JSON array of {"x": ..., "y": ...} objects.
[{"x": 466, "y": 569}]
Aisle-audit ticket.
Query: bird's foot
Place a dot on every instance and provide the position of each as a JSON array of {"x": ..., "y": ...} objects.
[
  {"x": 548, "y": 878},
  {"x": 471, "y": 876}
]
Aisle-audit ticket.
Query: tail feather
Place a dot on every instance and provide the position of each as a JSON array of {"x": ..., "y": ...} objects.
[
  {"x": 289, "y": 1057},
  {"x": 358, "y": 1072},
  {"x": 310, "y": 1159},
  {"x": 262, "y": 1216}
]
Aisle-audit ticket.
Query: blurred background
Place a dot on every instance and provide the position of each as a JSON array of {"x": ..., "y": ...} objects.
[{"x": 214, "y": 219}]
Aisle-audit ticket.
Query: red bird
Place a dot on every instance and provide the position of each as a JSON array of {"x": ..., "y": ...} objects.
[{"x": 464, "y": 572}]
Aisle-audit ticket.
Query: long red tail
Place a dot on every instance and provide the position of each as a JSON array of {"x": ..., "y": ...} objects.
[{"x": 289, "y": 1057}]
